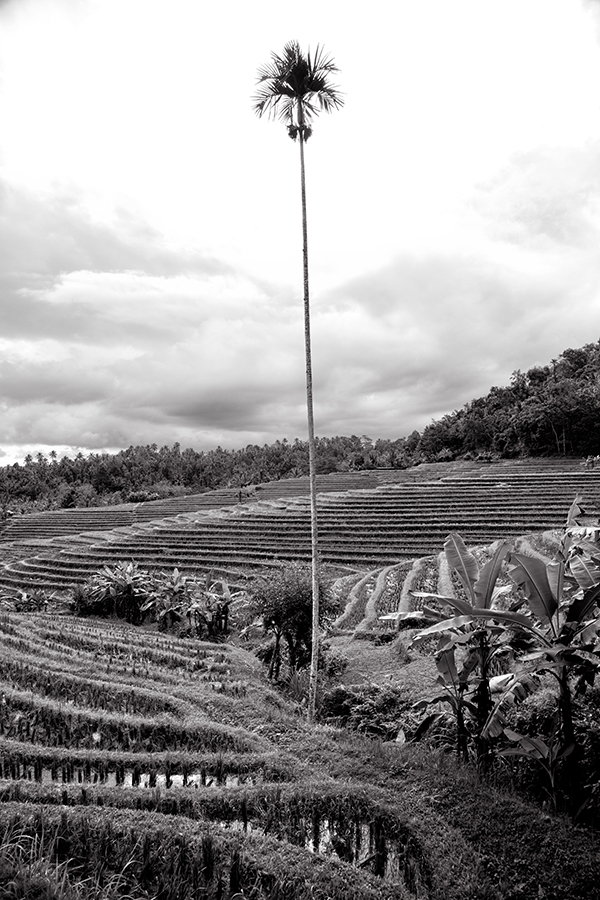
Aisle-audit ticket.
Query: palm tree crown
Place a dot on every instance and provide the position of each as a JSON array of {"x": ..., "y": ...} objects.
[{"x": 295, "y": 87}]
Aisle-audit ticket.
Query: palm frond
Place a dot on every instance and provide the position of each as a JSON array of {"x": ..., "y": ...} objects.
[{"x": 295, "y": 85}]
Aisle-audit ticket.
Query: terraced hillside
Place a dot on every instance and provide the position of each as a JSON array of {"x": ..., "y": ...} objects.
[
  {"x": 136, "y": 764},
  {"x": 104, "y": 518},
  {"x": 153, "y": 758},
  {"x": 407, "y": 516}
]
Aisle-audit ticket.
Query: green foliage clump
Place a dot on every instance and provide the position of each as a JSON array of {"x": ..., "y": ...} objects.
[
  {"x": 195, "y": 607},
  {"x": 282, "y": 603},
  {"x": 119, "y": 591},
  {"x": 556, "y": 636},
  {"x": 378, "y": 711},
  {"x": 548, "y": 410}
]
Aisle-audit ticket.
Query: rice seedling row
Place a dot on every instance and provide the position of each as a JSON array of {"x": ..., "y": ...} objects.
[
  {"x": 58, "y": 755},
  {"x": 76, "y": 690},
  {"x": 180, "y": 857},
  {"x": 389, "y": 599},
  {"x": 40, "y": 721}
]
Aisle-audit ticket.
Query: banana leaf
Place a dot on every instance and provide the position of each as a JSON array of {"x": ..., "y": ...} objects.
[
  {"x": 463, "y": 562},
  {"x": 446, "y": 666},
  {"x": 426, "y": 724},
  {"x": 589, "y": 633},
  {"x": 446, "y": 625},
  {"x": 515, "y": 692},
  {"x": 460, "y": 606},
  {"x": 575, "y": 511},
  {"x": 555, "y": 572},
  {"x": 485, "y": 585},
  {"x": 531, "y": 746},
  {"x": 585, "y": 571},
  {"x": 581, "y": 606},
  {"x": 530, "y": 575}
]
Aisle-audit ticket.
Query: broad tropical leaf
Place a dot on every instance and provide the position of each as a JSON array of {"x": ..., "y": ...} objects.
[
  {"x": 463, "y": 562},
  {"x": 509, "y": 618},
  {"x": 446, "y": 666},
  {"x": 460, "y": 606},
  {"x": 516, "y": 690},
  {"x": 530, "y": 575},
  {"x": 588, "y": 635},
  {"x": 440, "y": 627},
  {"x": 488, "y": 576},
  {"x": 532, "y": 746},
  {"x": 555, "y": 572},
  {"x": 582, "y": 606},
  {"x": 575, "y": 511},
  {"x": 426, "y": 724},
  {"x": 585, "y": 571}
]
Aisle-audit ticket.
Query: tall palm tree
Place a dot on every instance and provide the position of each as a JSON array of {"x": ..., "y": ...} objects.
[{"x": 294, "y": 88}]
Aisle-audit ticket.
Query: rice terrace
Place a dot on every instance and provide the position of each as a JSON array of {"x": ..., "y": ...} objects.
[
  {"x": 239, "y": 664},
  {"x": 147, "y": 749}
]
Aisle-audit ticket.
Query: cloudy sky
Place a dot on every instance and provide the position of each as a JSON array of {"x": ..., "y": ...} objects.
[{"x": 150, "y": 232}]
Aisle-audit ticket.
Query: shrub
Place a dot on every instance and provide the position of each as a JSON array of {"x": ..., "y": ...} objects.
[
  {"x": 283, "y": 602},
  {"x": 371, "y": 709},
  {"x": 141, "y": 496},
  {"x": 120, "y": 591},
  {"x": 191, "y": 606}
]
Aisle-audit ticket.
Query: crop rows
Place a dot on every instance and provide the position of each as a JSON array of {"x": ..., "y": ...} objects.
[
  {"x": 361, "y": 529},
  {"x": 170, "y": 762},
  {"x": 109, "y": 732},
  {"x": 44, "y": 525}
]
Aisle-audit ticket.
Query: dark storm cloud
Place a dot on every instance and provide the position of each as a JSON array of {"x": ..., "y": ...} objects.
[{"x": 50, "y": 381}]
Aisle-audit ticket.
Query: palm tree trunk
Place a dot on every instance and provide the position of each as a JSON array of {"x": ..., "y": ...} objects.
[{"x": 314, "y": 533}]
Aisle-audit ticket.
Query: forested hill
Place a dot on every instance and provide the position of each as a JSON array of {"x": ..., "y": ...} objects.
[
  {"x": 548, "y": 410},
  {"x": 150, "y": 472}
]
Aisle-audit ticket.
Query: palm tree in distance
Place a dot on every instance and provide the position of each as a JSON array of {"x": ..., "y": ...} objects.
[{"x": 294, "y": 88}]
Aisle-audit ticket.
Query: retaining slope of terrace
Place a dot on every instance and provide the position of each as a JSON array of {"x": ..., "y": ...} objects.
[
  {"x": 54, "y": 523},
  {"x": 362, "y": 529}
]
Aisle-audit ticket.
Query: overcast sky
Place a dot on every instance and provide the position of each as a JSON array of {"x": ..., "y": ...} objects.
[{"x": 150, "y": 230}]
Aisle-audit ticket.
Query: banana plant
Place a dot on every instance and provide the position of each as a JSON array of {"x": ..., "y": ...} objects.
[
  {"x": 479, "y": 628},
  {"x": 169, "y": 598},
  {"x": 124, "y": 587},
  {"x": 549, "y": 756},
  {"x": 557, "y": 632},
  {"x": 563, "y": 596},
  {"x": 454, "y": 695}
]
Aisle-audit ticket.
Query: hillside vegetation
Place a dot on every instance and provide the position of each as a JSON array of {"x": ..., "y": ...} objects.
[
  {"x": 148, "y": 766},
  {"x": 138, "y": 762}
]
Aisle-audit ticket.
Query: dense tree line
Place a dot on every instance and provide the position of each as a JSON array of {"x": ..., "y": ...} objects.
[
  {"x": 548, "y": 410},
  {"x": 150, "y": 472}
]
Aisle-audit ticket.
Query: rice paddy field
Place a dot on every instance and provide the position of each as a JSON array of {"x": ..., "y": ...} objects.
[
  {"x": 366, "y": 521},
  {"x": 135, "y": 763}
]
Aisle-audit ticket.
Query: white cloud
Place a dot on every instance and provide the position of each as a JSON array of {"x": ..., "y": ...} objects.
[{"x": 150, "y": 242}]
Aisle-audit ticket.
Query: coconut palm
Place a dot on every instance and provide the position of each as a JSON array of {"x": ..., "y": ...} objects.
[{"x": 294, "y": 88}]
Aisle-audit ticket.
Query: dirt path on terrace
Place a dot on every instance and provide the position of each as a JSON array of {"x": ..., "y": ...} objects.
[{"x": 392, "y": 663}]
